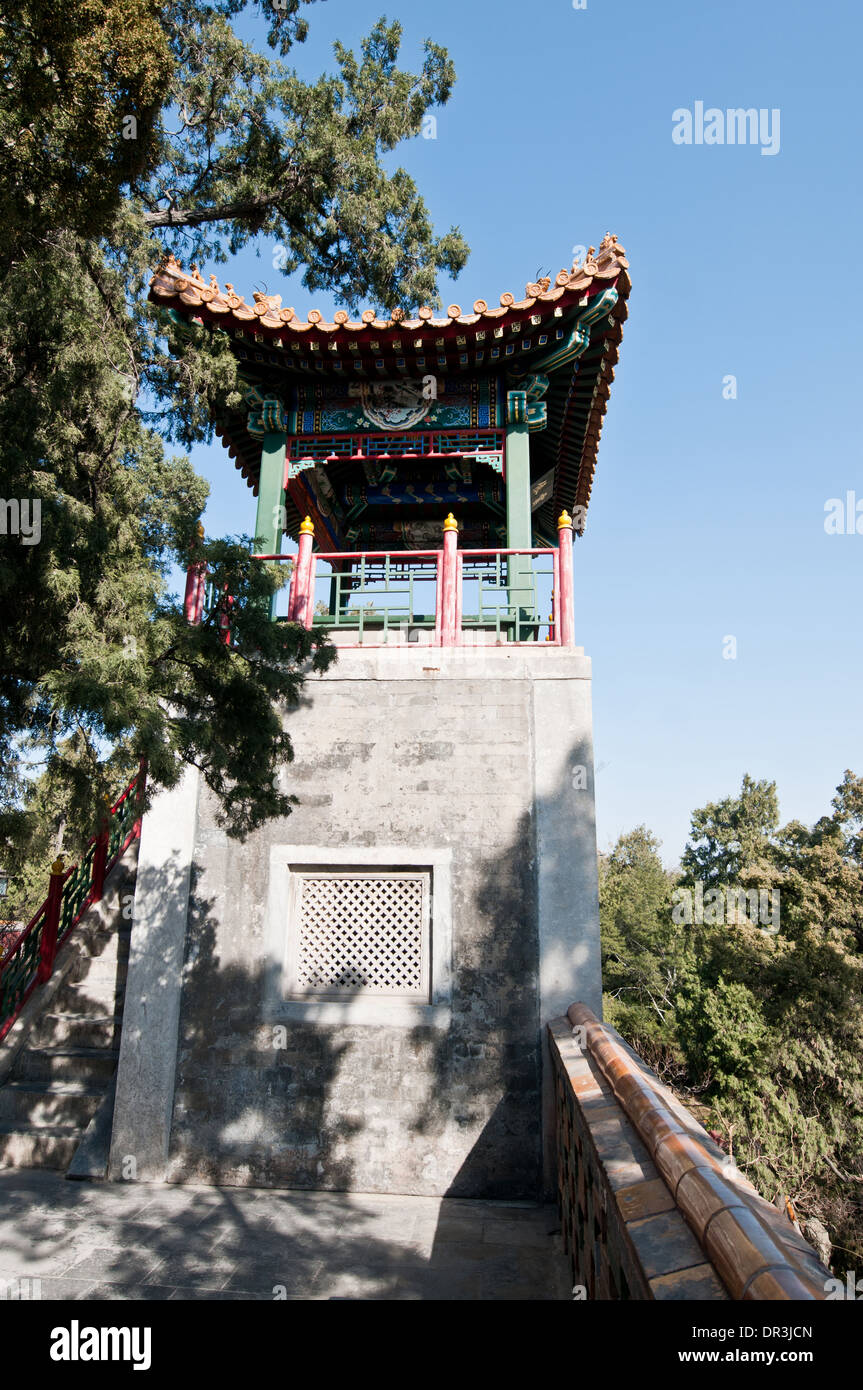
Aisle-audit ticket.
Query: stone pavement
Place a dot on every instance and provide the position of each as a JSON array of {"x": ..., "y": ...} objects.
[{"x": 141, "y": 1241}]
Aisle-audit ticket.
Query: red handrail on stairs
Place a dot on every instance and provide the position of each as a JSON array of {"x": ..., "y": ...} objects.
[{"x": 30, "y": 961}]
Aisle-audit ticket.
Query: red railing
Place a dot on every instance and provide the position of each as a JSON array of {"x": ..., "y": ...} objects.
[
  {"x": 30, "y": 959},
  {"x": 451, "y": 570}
]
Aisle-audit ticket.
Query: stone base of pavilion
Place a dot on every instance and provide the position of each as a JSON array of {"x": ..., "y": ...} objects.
[{"x": 463, "y": 777}]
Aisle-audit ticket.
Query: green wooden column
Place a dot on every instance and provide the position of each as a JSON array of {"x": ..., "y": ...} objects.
[
  {"x": 519, "y": 534},
  {"x": 271, "y": 494},
  {"x": 269, "y": 522},
  {"x": 518, "y": 527}
]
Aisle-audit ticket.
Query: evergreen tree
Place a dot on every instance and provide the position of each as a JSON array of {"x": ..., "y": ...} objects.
[
  {"x": 130, "y": 128},
  {"x": 643, "y": 951},
  {"x": 766, "y": 1029}
]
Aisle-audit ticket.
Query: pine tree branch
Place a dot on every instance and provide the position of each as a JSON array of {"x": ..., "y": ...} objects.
[{"x": 225, "y": 212}]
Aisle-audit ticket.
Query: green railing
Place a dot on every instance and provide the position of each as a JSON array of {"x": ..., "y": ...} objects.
[
  {"x": 379, "y": 595},
  {"x": 508, "y": 595},
  {"x": 76, "y": 891},
  {"x": 19, "y": 969},
  {"x": 376, "y": 597}
]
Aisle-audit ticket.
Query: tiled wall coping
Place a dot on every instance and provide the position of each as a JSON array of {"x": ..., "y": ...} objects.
[{"x": 751, "y": 1246}]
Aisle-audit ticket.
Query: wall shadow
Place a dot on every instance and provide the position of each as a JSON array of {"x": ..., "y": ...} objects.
[{"x": 227, "y": 1227}]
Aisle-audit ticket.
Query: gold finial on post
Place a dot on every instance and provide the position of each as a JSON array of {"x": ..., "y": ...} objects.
[
  {"x": 564, "y": 519},
  {"x": 450, "y": 524},
  {"x": 307, "y": 527},
  {"x": 58, "y": 867}
]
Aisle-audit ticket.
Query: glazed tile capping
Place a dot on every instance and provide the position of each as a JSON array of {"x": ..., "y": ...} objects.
[
  {"x": 649, "y": 1210},
  {"x": 171, "y": 282}
]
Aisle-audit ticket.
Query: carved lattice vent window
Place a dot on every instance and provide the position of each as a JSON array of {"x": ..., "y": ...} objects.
[{"x": 360, "y": 932}]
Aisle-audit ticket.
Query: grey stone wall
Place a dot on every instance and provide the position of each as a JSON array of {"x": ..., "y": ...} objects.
[{"x": 427, "y": 750}]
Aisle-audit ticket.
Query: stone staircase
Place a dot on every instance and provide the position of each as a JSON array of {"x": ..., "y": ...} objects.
[{"x": 64, "y": 1062}]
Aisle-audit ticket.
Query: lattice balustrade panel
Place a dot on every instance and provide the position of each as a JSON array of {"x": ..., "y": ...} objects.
[
  {"x": 361, "y": 932},
  {"x": 321, "y": 447}
]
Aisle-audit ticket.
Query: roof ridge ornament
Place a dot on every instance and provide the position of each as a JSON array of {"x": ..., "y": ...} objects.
[
  {"x": 171, "y": 282},
  {"x": 272, "y": 301}
]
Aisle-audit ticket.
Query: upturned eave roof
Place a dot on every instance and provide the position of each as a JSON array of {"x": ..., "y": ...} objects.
[
  {"x": 187, "y": 291},
  {"x": 515, "y": 337}
]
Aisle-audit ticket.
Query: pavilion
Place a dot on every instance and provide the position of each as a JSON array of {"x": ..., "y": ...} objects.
[{"x": 378, "y": 427}]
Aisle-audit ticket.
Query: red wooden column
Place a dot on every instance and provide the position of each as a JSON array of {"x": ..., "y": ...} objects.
[
  {"x": 48, "y": 947},
  {"x": 300, "y": 604},
  {"x": 565, "y": 607},
  {"x": 100, "y": 855},
  {"x": 449, "y": 594},
  {"x": 227, "y": 604},
  {"x": 196, "y": 583}
]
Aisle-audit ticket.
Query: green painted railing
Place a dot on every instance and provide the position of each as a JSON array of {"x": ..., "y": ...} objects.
[{"x": 380, "y": 594}]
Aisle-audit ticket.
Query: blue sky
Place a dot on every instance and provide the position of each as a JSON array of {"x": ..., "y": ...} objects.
[{"x": 707, "y": 515}]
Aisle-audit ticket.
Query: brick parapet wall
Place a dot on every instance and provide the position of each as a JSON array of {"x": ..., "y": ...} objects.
[{"x": 650, "y": 1205}]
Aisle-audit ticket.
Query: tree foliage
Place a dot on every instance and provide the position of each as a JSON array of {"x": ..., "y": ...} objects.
[
  {"x": 130, "y": 128},
  {"x": 731, "y": 836},
  {"x": 762, "y": 1032},
  {"x": 641, "y": 946}
]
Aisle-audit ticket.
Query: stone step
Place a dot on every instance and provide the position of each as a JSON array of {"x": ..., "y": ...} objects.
[
  {"x": 55, "y": 1029},
  {"x": 89, "y": 998},
  {"x": 90, "y": 934},
  {"x": 62, "y": 1081},
  {"x": 50, "y": 1103},
  {"x": 112, "y": 927},
  {"x": 37, "y": 1146},
  {"x": 87, "y": 1064},
  {"x": 104, "y": 946},
  {"x": 109, "y": 948},
  {"x": 95, "y": 969}
]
